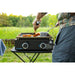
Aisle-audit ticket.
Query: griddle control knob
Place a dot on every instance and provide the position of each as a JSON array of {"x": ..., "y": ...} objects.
[
  {"x": 50, "y": 42},
  {"x": 25, "y": 45},
  {"x": 43, "y": 45}
]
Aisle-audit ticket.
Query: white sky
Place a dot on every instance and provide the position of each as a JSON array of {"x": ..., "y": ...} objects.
[{"x": 27, "y": 7}]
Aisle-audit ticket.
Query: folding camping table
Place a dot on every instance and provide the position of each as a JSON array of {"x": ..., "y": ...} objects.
[{"x": 32, "y": 59}]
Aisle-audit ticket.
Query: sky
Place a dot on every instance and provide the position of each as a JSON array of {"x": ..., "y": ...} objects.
[
  {"x": 27, "y": 7},
  {"x": 22, "y": 11}
]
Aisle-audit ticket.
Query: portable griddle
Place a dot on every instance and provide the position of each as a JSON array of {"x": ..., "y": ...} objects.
[{"x": 36, "y": 45}]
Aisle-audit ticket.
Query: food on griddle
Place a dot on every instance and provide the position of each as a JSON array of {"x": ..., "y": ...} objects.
[
  {"x": 30, "y": 35},
  {"x": 27, "y": 35},
  {"x": 36, "y": 34}
]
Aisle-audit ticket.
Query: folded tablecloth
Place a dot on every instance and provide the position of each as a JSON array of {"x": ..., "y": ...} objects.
[{"x": 2, "y": 48}]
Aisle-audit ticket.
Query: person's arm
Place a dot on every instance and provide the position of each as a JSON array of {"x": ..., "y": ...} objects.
[
  {"x": 40, "y": 15},
  {"x": 38, "y": 18}
]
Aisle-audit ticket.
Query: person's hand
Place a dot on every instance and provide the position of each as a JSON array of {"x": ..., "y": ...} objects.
[
  {"x": 35, "y": 26},
  {"x": 38, "y": 17},
  {"x": 57, "y": 24}
]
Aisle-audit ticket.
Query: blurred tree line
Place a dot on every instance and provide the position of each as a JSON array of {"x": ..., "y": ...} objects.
[{"x": 25, "y": 21}]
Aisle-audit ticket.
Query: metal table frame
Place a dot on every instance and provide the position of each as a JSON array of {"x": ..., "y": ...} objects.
[{"x": 34, "y": 57}]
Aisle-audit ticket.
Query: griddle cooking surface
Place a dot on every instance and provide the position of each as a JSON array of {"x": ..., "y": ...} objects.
[{"x": 20, "y": 36}]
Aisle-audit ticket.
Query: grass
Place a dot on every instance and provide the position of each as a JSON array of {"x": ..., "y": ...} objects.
[
  {"x": 12, "y": 32},
  {"x": 10, "y": 57}
]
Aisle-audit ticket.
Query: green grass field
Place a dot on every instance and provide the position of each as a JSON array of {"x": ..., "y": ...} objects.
[{"x": 12, "y": 32}]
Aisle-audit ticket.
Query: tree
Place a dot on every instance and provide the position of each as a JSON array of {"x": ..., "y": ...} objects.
[
  {"x": 27, "y": 23},
  {"x": 31, "y": 18},
  {"x": 44, "y": 21},
  {"x": 52, "y": 20},
  {"x": 4, "y": 19},
  {"x": 22, "y": 21},
  {"x": 13, "y": 19}
]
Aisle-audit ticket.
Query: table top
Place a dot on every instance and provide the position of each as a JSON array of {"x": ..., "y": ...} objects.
[{"x": 22, "y": 51}]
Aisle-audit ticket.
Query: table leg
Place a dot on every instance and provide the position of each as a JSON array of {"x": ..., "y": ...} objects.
[
  {"x": 31, "y": 60},
  {"x": 19, "y": 57},
  {"x": 27, "y": 56},
  {"x": 36, "y": 57},
  {"x": 32, "y": 57}
]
